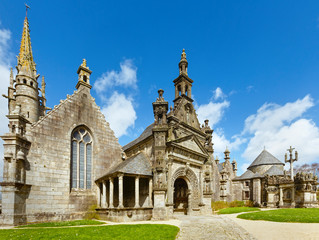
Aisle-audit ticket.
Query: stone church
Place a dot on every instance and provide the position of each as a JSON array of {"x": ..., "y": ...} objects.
[{"x": 61, "y": 162}]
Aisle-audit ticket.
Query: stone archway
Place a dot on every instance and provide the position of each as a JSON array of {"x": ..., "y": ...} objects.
[
  {"x": 193, "y": 191},
  {"x": 181, "y": 193}
]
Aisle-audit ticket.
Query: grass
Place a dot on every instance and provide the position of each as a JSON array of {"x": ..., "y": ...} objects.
[
  {"x": 237, "y": 210},
  {"x": 301, "y": 215},
  {"x": 63, "y": 224},
  {"x": 114, "y": 232}
]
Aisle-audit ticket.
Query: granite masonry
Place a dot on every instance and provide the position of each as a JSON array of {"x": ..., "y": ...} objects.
[{"x": 60, "y": 163}]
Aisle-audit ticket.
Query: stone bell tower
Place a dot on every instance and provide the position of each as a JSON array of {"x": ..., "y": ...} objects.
[
  {"x": 26, "y": 82},
  {"x": 23, "y": 110},
  {"x": 84, "y": 74},
  {"x": 183, "y": 84}
]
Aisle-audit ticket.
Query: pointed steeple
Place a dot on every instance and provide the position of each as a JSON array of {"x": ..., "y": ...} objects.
[
  {"x": 27, "y": 94},
  {"x": 183, "y": 64},
  {"x": 26, "y": 65}
]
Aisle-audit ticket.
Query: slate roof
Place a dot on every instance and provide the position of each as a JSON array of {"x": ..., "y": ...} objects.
[
  {"x": 248, "y": 175},
  {"x": 147, "y": 132},
  {"x": 136, "y": 165},
  {"x": 265, "y": 158},
  {"x": 274, "y": 170}
]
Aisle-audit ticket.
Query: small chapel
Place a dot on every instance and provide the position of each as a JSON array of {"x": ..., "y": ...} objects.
[{"x": 61, "y": 162}]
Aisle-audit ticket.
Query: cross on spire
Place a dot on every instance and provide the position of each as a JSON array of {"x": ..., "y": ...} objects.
[{"x": 26, "y": 9}]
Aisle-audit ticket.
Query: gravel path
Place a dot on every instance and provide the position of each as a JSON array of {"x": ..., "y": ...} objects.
[{"x": 210, "y": 227}]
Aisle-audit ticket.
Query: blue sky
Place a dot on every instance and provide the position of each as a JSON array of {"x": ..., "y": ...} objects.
[{"x": 255, "y": 64}]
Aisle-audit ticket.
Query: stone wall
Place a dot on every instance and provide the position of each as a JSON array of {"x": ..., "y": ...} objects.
[{"x": 48, "y": 171}]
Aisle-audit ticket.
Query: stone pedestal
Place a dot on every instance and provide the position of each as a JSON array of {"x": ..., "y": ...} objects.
[
  {"x": 159, "y": 210},
  {"x": 206, "y": 208}
]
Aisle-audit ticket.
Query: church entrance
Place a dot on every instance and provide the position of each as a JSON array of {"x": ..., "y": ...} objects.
[{"x": 180, "y": 196}]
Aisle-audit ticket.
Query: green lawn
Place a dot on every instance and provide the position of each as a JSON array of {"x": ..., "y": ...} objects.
[
  {"x": 123, "y": 232},
  {"x": 302, "y": 215},
  {"x": 237, "y": 210},
  {"x": 64, "y": 224}
]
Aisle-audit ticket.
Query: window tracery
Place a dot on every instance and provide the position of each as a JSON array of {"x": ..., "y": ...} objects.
[{"x": 81, "y": 159}]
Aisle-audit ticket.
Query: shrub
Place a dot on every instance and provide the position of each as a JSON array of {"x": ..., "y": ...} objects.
[
  {"x": 219, "y": 205},
  {"x": 249, "y": 203},
  {"x": 91, "y": 213},
  {"x": 237, "y": 204}
]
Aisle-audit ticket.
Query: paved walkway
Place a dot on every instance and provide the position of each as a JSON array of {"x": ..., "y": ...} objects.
[
  {"x": 210, "y": 227},
  {"x": 266, "y": 230}
]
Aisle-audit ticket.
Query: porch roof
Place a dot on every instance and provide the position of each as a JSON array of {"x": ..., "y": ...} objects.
[{"x": 138, "y": 164}]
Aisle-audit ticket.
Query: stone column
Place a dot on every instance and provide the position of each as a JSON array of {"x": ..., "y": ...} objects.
[
  {"x": 200, "y": 188},
  {"x": 281, "y": 202},
  {"x": 120, "y": 190},
  {"x": 111, "y": 193},
  {"x": 137, "y": 192},
  {"x": 99, "y": 195},
  {"x": 169, "y": 184},
  {"x": 150, "y": 191},
  {"x": 103, "y": 202},
  {"x": 293, "y": 204}
]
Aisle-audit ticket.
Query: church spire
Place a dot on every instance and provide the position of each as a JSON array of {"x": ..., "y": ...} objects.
[
  {"x": 183, "y": 64},
  {"x": 26, "y": 65}
]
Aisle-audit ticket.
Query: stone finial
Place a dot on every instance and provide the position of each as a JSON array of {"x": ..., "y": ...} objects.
[
  {"x": 84, "y": 63},
  {"x": 183, "y": 55},
  {"x": 217, "y": 160},
  {"x": 234, "y": 163},
  {"x": 206, "y": 122},
  {"x": 183, "y": 64},
  {"x": 227, "y": 152},
  {"x": 11, "y": 78},
  {"x": 43, "y": 87},
  {"x": 160, "y": 94}
]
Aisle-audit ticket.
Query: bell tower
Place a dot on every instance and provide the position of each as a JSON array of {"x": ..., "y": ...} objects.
[
  {"x": 183, "y": 84},
  {"x": 84, "y": 76},
  {"x": 26, "y": 84}
]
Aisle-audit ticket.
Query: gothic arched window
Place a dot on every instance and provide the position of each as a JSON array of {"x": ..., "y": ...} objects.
[{"x": 81, "y": 159}]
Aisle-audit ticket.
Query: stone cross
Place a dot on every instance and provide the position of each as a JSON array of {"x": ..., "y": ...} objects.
[{"x": 291, "y": 160}]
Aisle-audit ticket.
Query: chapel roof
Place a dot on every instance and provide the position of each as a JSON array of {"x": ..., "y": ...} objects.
[
  {"x": 145, "y": 134},
  {"x": 248, "y": 175},
  {"x": 265, "y": 158},
  {"x": 274, "y": 170}
]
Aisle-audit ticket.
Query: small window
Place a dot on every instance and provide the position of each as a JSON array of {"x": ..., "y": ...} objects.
[
  {"x": 31, "y": 83},
  {"x": 24, "y": 81},
  {"x": 246, "y": 195},
  {"x": 247, "y": 183},
  {"x": 85, "y": 78}
]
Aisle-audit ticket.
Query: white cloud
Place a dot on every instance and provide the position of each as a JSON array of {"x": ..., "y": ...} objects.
[
  {"x": 278, "y": 127},
  {"x": 120, "y": 113},
  {"x": 118, "y": 109},
  {"x": 212, "y": 111},
  {"x": 221, "y": 142},
  {"x": 5, "y": 59},
  {"x": 126, "y": 77},
  {"x": 218, "y": 94}
]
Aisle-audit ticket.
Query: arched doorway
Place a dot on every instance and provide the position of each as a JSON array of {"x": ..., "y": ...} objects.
[{"x": 180, "y": 195}]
